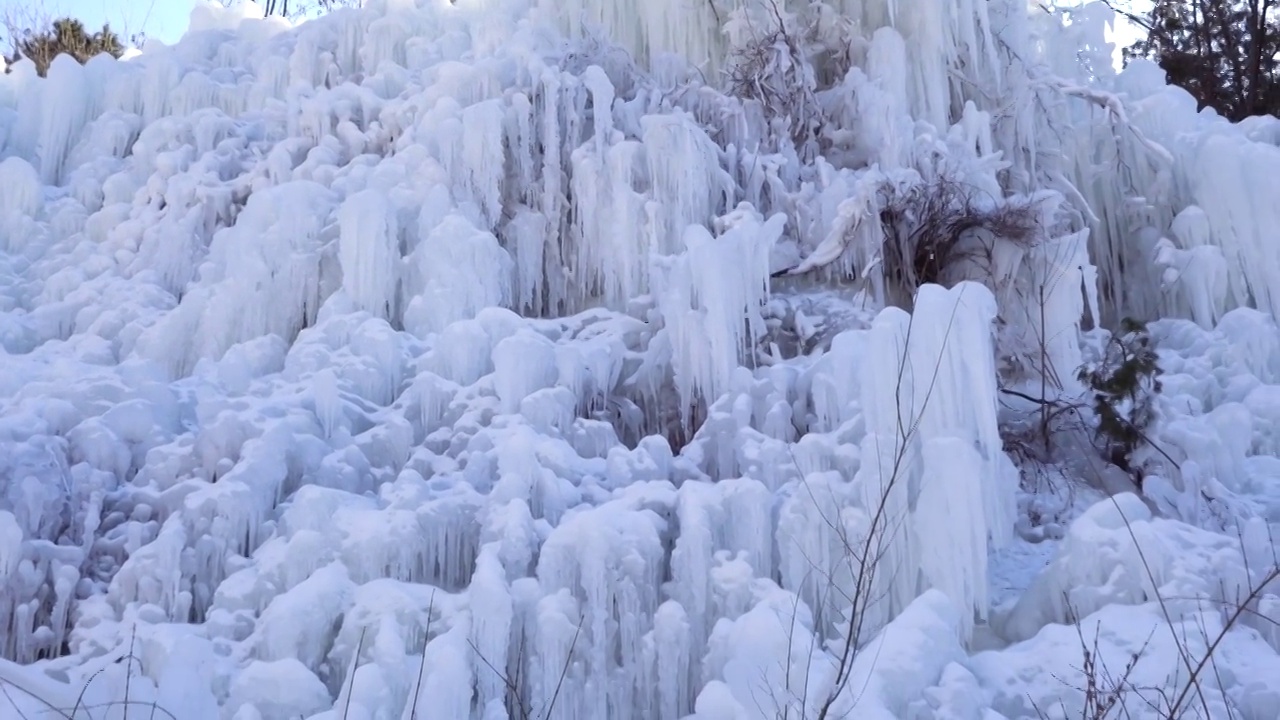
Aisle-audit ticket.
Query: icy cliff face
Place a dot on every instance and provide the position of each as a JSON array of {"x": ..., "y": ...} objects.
[{"x": 502, "y": 359}]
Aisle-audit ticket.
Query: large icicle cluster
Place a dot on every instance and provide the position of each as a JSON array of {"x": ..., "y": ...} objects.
[{"x": 500, "y": 359}]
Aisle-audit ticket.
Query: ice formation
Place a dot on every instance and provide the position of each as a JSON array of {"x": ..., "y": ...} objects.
[{"x": 502, "y": 359}]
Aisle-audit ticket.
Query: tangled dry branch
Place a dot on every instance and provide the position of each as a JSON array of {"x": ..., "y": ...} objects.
[
  {"x": 932, "y": 232},
  {"x": 772, "y": 68}
]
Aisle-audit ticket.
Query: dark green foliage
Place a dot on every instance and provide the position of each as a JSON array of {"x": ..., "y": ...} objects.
[
  {"x": 67, "y": 36},
  {"x": 1223, "y": 52},
  {"x": 1125, "y": 385}
]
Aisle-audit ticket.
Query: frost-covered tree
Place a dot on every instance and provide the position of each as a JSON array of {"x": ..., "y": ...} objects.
[
  {"x": 1224, "y": 52},
  {"x": 67, "y": 35}
]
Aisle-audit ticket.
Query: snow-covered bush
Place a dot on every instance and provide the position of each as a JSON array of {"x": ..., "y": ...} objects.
[
  {"x": 1125, "y": 383},
  {"x": 771, "y": 62}
]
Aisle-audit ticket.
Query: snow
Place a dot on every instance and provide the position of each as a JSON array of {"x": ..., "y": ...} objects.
[{"x": 488, "y": 359}]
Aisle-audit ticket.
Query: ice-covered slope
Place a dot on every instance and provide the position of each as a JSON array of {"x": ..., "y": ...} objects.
[{"x": 487, "y": 359}]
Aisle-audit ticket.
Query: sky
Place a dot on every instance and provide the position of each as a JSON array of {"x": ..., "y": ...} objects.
[{"x": 164, "y": 20}]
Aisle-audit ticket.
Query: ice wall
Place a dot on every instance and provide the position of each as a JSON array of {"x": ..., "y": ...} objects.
[{"x": 417, "y": 352}]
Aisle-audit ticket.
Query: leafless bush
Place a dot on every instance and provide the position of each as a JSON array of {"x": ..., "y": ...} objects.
[
  {"x": 1102, "y": 690},
  {"x": 772, "y": 68},
  {"x": 1105, "y": 693},
  {"x": 942, "y": 232},
  {"x": 1029, "y": 434},
  {"x": 17, "y": 21},
  {"x": 85, "y": 711}
]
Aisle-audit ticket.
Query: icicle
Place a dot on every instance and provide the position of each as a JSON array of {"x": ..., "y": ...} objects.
[
  {"x": 300, "y": 323},
  {"x": 689, "y": 186},
  {"x": 674, "y": 659},
  {"x": 369, "y": 247},
  {"x": 491, "y": 619},
  {"x": 691, "y": 560},
  {"x": 525, "y": 236},
  {"x": 704, "y": 313},
  {"x": 328, "y": 400},
  {"x": 613, "y": 240},
  {"x": 482, "y": 151},
  {"x": 940, "y": 388},
  {"x": 68, "y": 102},
  {"x": 20, "y": 204},
  {"x": 448, "y": 680}
]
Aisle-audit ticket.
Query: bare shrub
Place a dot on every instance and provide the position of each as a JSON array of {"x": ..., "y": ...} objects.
[
  {"x": 941, "y": 232},
  {"x": 1103, "y": 690},
  {"x": 129, "y": 707},
  {"x": 1105, "y": 693},
  {"x": 296, "y": 9},
  {"x": 518, "y": 703},
  {"x": 771, "y": 66},
  {"x": 43, "y": 42}
]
